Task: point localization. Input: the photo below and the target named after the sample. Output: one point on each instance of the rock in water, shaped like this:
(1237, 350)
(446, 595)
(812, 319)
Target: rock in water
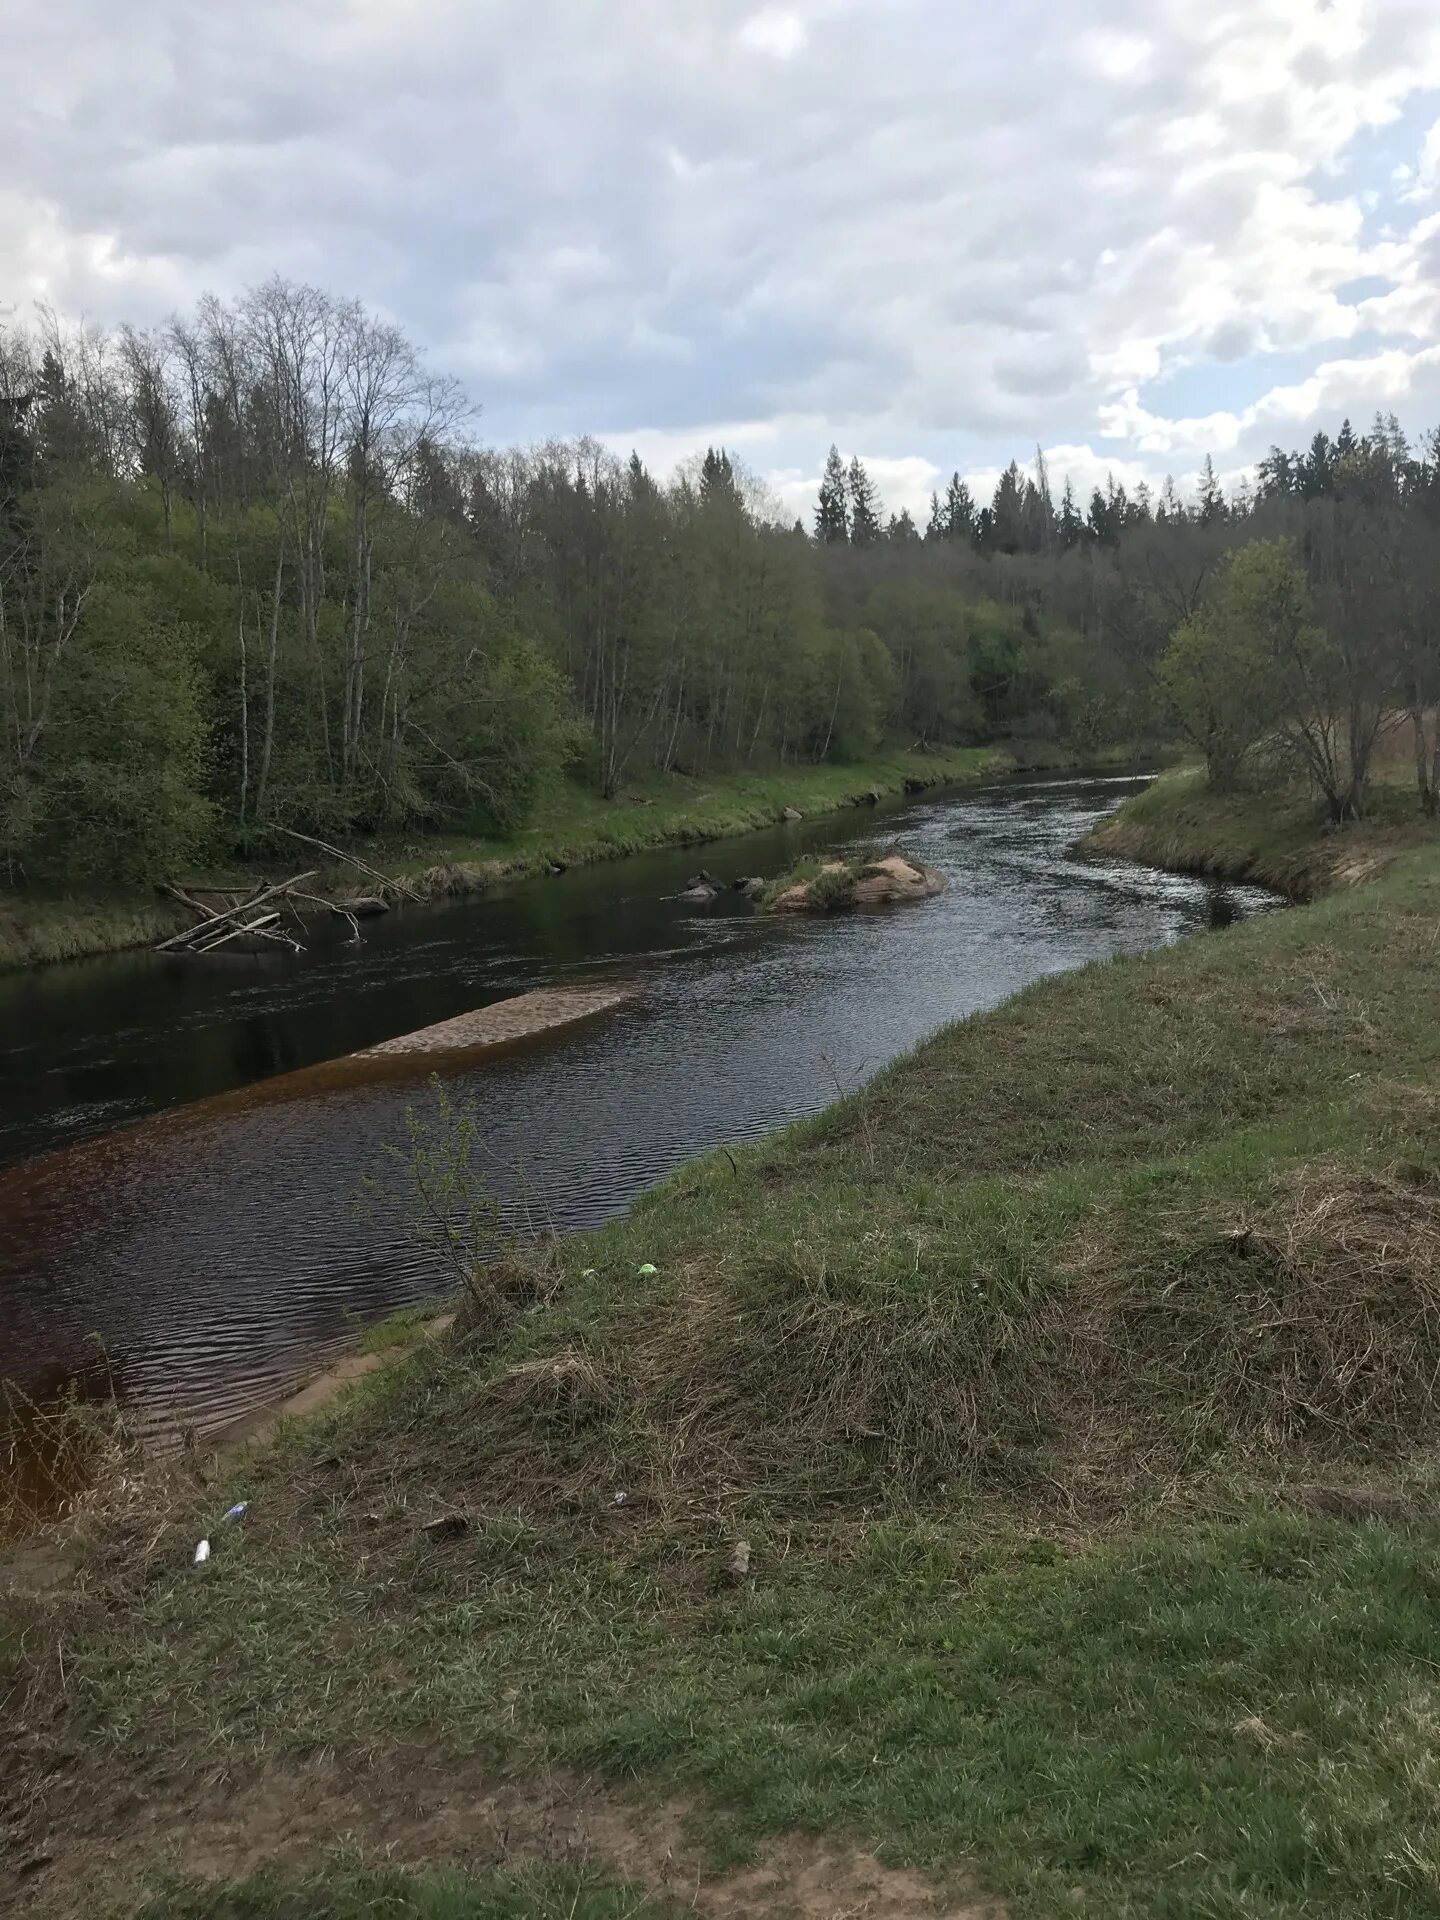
(880, 883)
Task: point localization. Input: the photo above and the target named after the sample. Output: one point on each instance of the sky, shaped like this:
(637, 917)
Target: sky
(939, 233)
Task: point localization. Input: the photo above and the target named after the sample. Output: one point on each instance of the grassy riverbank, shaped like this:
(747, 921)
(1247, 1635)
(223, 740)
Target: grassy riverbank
(1074, 1390)
(573, 826)
(1273, 841)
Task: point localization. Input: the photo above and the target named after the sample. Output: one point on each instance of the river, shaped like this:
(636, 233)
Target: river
(198, 1246)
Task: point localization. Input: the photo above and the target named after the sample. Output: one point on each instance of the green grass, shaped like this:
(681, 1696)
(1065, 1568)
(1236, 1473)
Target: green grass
(1034, 1375)
(38, 928)
(1226, 1719)
(396, 1331)
(575, 825)
(347, 1891)
(830, 883)
(572, 826)
(1271, 838)
(812, 874)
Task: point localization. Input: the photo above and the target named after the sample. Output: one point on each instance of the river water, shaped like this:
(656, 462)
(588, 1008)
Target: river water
(179, 1224)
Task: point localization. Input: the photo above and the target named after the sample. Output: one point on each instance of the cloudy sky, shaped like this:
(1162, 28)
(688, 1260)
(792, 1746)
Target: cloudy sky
(938, 232)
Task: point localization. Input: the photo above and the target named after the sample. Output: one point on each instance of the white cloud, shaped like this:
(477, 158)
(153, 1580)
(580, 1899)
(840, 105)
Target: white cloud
(776, 31)
(936, 235)
(1115, 56)
(1423, 181)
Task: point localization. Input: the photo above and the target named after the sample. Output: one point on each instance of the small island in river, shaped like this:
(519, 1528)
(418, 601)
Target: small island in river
(867, 880)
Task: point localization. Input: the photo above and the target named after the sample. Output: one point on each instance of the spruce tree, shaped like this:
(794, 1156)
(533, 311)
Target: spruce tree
(832, 515)
(1007, 511)
(1212, 500)
(642, 486)
(866, 508)
(717, 477)
(1072, 527)
(1103, 521)
(1317, 474)
(960, 517)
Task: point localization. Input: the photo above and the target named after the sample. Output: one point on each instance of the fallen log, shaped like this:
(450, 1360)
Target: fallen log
(262, 928)
(354, 860)
(190, 938)
(344, 909)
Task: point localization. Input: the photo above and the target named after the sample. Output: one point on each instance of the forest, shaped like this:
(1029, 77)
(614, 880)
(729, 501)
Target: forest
(258, 570)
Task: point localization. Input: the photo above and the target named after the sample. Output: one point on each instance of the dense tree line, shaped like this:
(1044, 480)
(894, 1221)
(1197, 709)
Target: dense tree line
(256, 571)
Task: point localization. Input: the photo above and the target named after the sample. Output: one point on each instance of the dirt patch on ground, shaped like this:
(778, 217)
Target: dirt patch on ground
(413, 1811)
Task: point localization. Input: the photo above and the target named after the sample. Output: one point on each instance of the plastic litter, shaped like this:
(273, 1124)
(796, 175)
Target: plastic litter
(237, 1512)
(202, 1553)
(647, 1268)
(621, 1498)
(740, 1561)
(589, 1273)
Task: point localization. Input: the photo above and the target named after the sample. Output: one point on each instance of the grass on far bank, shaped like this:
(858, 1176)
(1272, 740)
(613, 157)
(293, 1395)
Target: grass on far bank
(572, 826)
(1074, 1387)
(1273, 839)
(576, 826)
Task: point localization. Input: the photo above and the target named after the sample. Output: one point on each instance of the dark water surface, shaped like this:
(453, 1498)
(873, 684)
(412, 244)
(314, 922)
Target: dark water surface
(217, 1250)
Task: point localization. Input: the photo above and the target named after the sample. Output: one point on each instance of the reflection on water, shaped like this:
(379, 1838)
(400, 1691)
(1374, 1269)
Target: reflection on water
(217, 1248)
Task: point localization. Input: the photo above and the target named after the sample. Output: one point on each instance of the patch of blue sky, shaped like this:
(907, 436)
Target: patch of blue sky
(1214, 386)
(1375, 157)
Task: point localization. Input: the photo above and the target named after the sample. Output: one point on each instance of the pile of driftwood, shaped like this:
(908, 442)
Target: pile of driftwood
(271, 911)
(260, 916)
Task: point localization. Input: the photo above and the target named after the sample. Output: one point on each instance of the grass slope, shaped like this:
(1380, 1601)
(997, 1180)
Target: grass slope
(1275, 842)
(1074, 1388)
(573, 826)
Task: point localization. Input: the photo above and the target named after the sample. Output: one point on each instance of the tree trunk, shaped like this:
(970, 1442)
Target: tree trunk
(267, 743)
(244, 714)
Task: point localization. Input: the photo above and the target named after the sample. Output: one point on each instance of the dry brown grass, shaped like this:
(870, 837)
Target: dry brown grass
(59, 1457)
(1305, 1329)
(1312, 1324)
